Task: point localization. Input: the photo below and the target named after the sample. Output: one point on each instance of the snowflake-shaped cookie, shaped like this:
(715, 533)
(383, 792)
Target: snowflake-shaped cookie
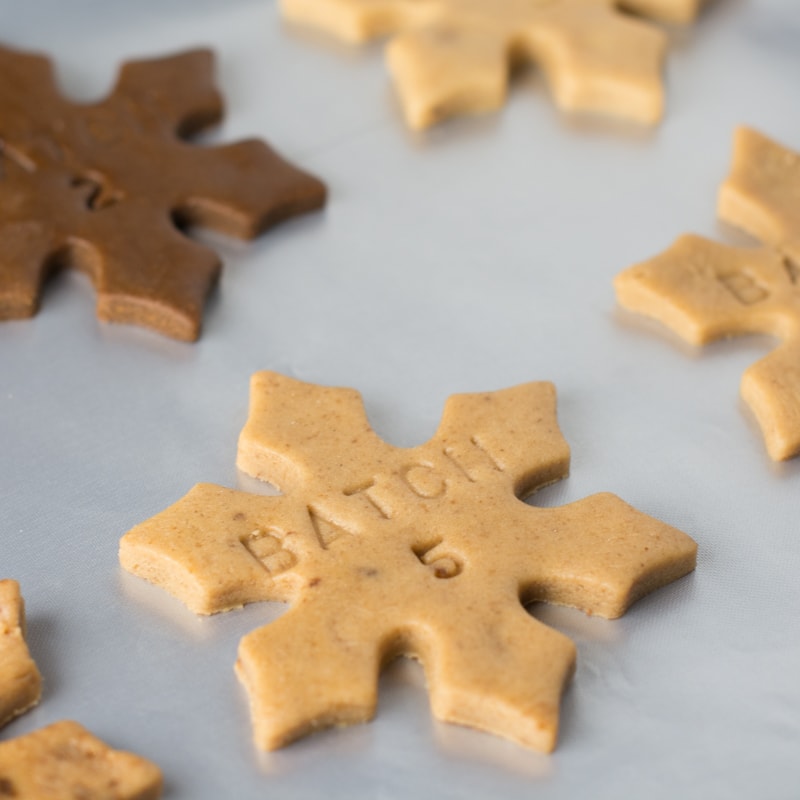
(454, 56)
(706, 291)
(424, 552)
(106, 188)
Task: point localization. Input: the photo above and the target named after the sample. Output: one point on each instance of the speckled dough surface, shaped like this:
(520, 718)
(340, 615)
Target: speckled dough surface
(704, 291)
(65, 762)
(105, 188)
(453, 56)
(424, 552)
(20, 682)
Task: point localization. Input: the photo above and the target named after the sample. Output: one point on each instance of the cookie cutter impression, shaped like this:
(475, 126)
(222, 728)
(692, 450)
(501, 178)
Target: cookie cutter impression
(424, 552)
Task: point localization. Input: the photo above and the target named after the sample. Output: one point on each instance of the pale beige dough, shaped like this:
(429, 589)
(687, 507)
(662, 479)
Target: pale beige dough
(704, 291)
(453, 56)
(20, 681)
(65, 762)
(424, 552)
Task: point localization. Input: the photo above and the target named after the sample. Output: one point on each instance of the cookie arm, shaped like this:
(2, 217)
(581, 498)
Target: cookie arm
(680, 11)
(304, 672)
(64, 760)
(177, 90)
(298, 432)
(241, 189)
(596, 59)
(218, 549)
(444, 72)
(513, 432)
(598, 554)
(28, 94)
(357, 20)
(159, 279)
(20, 681)
(704, 291)
(25, 248)
(760, 195)
(771, 387)
(504, 673)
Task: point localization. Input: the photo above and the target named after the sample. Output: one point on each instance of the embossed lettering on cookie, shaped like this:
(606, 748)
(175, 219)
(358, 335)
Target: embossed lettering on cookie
(384, 551)
(106, 187)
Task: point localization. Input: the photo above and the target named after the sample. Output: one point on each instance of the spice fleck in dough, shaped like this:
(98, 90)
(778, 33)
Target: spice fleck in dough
(424, 552)
(65, 762)
(704, 290)
(20, 682)
(453, 56)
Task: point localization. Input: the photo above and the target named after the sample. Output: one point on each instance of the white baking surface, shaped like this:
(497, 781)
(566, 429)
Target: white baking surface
(473, 257)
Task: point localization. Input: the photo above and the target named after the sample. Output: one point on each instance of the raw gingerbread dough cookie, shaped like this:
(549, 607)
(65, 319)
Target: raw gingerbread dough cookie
(704, 291)
(424, 552)
(65, 762)
(20, 681)
(107, 187)
(453, 56)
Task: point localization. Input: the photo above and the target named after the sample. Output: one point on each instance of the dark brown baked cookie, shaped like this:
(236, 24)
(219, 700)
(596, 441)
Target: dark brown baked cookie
(107, 187)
